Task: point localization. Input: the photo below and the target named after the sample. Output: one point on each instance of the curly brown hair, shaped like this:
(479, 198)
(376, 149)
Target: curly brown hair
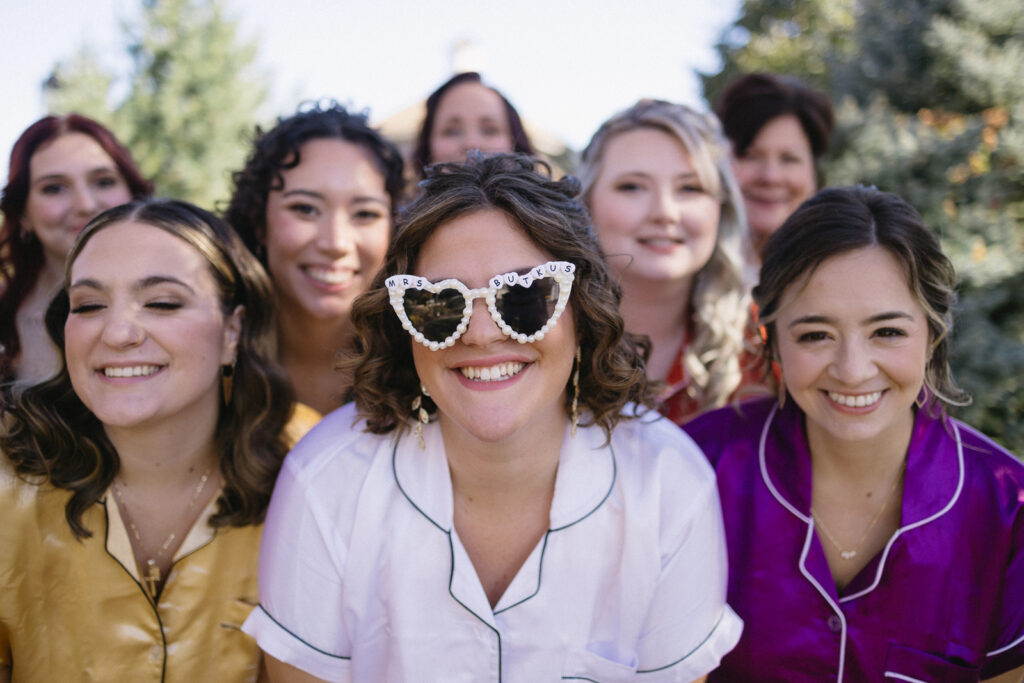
(49, 434)
(612, 372)
(280, 148)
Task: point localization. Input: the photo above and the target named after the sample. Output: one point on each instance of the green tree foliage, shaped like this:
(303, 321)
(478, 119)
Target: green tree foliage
(930, 106)
(191, 99)
(807, 37)
(80, 84)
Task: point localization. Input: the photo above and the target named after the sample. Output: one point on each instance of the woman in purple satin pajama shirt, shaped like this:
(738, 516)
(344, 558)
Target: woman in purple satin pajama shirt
(910, 565)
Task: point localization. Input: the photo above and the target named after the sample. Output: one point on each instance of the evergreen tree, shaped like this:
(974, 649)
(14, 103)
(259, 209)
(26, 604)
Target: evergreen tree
(191, 97)
(806, 37)
(931, 107)
(80, 84)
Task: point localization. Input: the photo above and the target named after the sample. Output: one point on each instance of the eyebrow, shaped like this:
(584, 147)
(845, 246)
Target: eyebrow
(688, 175)
(144, 283)
(319, 195)
(877, 318)
(61, 176)
(304, 193)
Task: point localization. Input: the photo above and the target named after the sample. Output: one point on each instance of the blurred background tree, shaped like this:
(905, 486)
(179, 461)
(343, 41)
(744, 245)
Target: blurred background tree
(189, 102)
(930, 105)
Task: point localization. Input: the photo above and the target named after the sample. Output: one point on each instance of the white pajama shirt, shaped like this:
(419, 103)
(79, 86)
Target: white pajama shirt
(363, 577)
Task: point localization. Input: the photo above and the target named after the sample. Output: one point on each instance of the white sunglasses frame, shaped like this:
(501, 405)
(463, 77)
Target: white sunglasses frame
(562, 271)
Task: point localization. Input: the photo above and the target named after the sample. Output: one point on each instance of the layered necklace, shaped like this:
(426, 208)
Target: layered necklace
(852, 553)
(151, 576)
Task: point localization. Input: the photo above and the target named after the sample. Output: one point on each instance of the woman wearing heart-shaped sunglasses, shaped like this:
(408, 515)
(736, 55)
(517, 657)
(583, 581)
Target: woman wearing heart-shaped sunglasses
(498, 503)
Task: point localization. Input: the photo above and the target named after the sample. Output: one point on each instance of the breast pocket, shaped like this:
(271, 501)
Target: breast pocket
(584, 665)
(234, 613)
(908, 664)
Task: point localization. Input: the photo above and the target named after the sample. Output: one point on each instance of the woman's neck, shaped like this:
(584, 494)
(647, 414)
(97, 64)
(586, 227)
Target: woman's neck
(504, 476)
(860, 462)
(51, 278)
(661, 312)
(157, 460)
(309, 350)
(502, 496)
(38, 357)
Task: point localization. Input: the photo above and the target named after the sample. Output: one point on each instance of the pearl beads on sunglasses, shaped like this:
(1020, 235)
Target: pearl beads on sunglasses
(561, 271)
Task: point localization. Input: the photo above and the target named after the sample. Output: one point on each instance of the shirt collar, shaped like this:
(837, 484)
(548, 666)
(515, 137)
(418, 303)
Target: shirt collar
(933, 476)
(119, 545)
(586, 474)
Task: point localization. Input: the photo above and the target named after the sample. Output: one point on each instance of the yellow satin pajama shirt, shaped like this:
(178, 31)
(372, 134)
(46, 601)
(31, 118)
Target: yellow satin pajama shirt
(76, 610)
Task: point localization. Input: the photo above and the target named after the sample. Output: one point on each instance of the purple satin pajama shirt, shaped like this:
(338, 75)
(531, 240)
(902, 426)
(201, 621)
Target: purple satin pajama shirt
(944, 600)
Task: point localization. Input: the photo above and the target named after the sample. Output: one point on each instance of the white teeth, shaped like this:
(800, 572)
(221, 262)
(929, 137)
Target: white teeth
(133, 371)
(328, 277)
(855, 401)
(494, 373)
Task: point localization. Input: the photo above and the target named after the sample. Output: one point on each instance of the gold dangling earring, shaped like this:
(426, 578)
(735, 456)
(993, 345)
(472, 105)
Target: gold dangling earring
(923, 395)
(422, 417)
(575, 394)
(227, 380)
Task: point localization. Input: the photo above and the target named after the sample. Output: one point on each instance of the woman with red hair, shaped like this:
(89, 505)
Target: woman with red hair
(64, 170)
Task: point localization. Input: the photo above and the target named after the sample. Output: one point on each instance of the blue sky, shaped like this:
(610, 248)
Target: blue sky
(566, 64)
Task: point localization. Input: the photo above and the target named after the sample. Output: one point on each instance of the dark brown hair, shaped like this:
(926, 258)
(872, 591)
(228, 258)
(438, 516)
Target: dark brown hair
(839, 220)
(422, 155)
(51, 435)
(612, 372)
(749, 102)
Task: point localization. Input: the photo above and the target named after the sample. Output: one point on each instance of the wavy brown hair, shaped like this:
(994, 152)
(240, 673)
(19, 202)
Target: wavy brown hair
(841, 220)
(612, 373)
(50, 435)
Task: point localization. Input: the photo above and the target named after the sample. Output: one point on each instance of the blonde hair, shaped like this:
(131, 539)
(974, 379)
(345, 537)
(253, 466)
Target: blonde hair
(720, 298)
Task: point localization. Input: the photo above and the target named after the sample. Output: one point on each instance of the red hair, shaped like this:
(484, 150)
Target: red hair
(21, 260)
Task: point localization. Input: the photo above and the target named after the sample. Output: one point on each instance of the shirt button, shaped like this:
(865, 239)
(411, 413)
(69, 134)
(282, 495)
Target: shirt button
(835, 624)
(156, 653)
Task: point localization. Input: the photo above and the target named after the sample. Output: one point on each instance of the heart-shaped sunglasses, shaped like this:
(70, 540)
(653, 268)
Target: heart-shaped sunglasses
(523, 305)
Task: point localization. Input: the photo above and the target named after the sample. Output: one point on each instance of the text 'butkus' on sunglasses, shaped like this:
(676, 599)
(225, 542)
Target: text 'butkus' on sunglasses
(523, 305)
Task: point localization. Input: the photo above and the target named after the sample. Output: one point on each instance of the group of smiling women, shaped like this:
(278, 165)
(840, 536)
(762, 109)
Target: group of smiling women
(499, 488)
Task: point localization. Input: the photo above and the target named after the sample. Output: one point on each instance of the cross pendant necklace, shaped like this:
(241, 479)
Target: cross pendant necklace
(152, 576)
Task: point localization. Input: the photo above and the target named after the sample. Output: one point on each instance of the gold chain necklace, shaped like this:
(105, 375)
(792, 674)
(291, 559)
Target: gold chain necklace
(850, 554)
(152, 574)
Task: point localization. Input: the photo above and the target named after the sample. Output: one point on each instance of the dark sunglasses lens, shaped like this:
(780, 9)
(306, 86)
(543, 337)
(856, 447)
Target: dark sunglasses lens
(526, 309)
(435, 314)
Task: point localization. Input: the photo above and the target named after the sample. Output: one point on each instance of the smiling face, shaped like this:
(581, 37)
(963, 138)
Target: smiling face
(146, 336)
(469, 116)
(853, 345)
(489, 388)
(328, 229)
(71, 180)
(652, 215)
(776, 174)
